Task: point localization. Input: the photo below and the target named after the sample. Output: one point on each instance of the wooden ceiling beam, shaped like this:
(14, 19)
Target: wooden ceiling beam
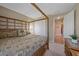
(39, 10)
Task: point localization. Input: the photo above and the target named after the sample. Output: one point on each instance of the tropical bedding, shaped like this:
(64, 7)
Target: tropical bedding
(21, 46)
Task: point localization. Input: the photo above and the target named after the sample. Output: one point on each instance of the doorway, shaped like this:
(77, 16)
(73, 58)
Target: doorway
(59, 31)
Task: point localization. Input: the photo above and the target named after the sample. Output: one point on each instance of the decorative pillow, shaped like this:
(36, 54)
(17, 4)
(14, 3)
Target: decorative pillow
(3, 35)
(27, 32)
(20, 33)
(12, 33)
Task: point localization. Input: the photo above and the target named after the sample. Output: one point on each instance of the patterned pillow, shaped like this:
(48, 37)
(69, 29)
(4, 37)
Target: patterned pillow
(3, 35)
(25, 32)
(19, 33)
(12, 33)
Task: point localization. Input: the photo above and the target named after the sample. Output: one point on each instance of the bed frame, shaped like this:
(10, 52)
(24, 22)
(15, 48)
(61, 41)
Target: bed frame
(42, 50)
(38, 52)
(11, 23)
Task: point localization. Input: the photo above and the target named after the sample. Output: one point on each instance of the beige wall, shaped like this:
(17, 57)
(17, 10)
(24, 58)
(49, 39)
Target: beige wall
(51, 29)
(32, 27)
(39, 28)
(68, 24)
(12, 14)
(77, 20)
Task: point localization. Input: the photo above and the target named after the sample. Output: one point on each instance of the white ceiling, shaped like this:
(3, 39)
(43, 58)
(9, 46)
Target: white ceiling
(48, 8)
(56, 8)
(23, 8)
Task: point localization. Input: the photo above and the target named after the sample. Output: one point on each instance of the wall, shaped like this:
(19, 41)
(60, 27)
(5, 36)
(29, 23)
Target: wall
(77, 20)
(68, 24)
(32, 27)
(51, 28)
(39, 28)
(12, 14)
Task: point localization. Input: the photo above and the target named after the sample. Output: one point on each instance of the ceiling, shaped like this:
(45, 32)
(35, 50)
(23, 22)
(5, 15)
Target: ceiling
(48, 8)
(56, 8)
(24, 8)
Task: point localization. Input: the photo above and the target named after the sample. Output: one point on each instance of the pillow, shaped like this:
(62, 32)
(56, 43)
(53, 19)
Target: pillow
(3, 35)
(27, 32)
(19, 33)
(12, 33)
(22, 32)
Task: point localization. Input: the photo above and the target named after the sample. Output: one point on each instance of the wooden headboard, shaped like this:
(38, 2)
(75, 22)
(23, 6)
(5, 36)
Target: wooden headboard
(10, 25)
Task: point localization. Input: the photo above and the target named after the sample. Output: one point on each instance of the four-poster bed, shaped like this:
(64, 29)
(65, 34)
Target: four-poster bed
(15, 38)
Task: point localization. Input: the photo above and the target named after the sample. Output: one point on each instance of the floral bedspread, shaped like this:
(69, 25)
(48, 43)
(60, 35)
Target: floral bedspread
(21, 46)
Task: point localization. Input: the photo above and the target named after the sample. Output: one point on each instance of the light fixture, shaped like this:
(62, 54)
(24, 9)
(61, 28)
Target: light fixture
(58, 17)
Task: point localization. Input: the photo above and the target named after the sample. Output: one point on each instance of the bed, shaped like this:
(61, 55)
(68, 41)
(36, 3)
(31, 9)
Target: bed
(16, 40)
(29, 45)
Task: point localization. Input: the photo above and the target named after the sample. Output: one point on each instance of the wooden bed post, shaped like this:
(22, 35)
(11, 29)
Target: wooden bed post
(46, 17)
(47, 33)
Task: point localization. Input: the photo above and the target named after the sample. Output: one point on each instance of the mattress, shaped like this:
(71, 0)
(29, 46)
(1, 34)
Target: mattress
(21, 46)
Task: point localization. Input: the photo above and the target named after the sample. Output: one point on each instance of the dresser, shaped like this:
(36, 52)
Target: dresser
(71, 49)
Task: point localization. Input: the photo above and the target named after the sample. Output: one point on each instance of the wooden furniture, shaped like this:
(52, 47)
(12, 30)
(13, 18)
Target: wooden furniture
(71, 49)
(10, 23)
(30, 45)
(41, 50)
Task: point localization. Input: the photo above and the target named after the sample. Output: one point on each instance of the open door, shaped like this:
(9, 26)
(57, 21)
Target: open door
(59, 31)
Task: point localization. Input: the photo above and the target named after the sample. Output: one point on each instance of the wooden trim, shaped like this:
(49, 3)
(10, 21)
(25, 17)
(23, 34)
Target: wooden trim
(39, 10)
(12, 18)
(2, 21)
(14, 22)
(33, 4)
(37, 20)
(41, 50)
(74, 21)
(48, 32)
(3, 25)
(7, 23)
